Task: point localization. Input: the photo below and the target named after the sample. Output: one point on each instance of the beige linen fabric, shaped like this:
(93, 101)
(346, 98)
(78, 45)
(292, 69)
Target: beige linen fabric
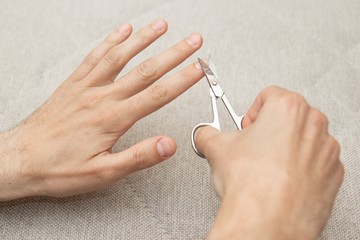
(309, 46)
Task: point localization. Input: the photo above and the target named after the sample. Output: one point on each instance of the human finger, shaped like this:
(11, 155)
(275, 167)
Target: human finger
(253, 112)
(143, 155)
(154, 68)
(116, 37)
(161, 93)
(205, 140)
(318, 120)
(116, 58)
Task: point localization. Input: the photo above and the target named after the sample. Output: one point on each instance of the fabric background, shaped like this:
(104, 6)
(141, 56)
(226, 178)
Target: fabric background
(309, 46)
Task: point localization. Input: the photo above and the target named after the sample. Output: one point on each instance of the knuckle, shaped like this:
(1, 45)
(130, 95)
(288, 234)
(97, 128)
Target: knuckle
(91, 60)
(318, 117)
(114, 56)
(146, 70)
(158, 91)
(138, 159)
(178, 50)
(109, 42)
(339, 172)
(145, 37)
(106, 175)
(111, 39)
(295, 98)
(334, 145)
(270, 90)
(292, 100)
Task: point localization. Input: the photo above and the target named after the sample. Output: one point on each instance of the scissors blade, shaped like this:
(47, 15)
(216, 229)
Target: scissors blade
(211, 78)
(212, 67)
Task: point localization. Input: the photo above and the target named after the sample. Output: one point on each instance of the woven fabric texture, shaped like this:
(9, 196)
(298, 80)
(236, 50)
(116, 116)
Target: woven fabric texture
(309, 46)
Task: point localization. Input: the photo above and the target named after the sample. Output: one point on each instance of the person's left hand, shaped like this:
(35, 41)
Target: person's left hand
(64, 148)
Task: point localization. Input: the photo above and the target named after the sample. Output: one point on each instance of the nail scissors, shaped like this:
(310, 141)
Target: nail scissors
(215, 92)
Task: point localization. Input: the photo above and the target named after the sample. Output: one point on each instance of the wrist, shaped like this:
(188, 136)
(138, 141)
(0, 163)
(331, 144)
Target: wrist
(254, 216)
(240, 218)
(15, 181)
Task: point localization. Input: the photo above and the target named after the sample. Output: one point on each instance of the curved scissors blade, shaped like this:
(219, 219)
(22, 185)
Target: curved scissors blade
(212, 67)
(211, 76)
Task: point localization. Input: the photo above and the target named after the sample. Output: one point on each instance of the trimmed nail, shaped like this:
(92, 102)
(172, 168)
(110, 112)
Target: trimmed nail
(198, 66)
(124, 28)
(193, 39)
(164, 148)
(158, 24)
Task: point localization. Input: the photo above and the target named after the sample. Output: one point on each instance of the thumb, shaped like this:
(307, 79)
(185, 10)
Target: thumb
(206, 140)
(144, 154)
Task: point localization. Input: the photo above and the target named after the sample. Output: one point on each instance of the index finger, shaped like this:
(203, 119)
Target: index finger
(255, 108)
(163, 92)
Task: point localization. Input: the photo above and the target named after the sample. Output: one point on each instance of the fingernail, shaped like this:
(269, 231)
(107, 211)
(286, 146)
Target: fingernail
(124, 28)
(193, 39)
(158, 24)
(198, 66)
(164, 148)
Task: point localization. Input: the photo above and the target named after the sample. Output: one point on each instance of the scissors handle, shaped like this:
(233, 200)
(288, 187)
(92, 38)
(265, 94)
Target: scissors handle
(237, 119)
(200, 125)
(215, 124)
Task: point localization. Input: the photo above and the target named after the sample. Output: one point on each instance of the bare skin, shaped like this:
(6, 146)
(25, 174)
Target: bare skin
(278, 178)
(64, 148)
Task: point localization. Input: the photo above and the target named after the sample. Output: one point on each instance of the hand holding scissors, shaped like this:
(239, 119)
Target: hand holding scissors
(215, 92)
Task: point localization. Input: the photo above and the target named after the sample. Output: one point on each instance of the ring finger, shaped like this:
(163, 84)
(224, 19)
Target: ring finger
(117, 57)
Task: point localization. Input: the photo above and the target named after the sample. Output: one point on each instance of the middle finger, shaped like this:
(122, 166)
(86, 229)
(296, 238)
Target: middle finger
(116, 59)
(152, 69)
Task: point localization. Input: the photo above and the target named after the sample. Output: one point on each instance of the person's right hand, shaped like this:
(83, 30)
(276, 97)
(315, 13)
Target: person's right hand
(277, 178)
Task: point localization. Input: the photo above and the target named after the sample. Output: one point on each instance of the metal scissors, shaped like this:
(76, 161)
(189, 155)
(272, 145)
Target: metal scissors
(216, 92)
